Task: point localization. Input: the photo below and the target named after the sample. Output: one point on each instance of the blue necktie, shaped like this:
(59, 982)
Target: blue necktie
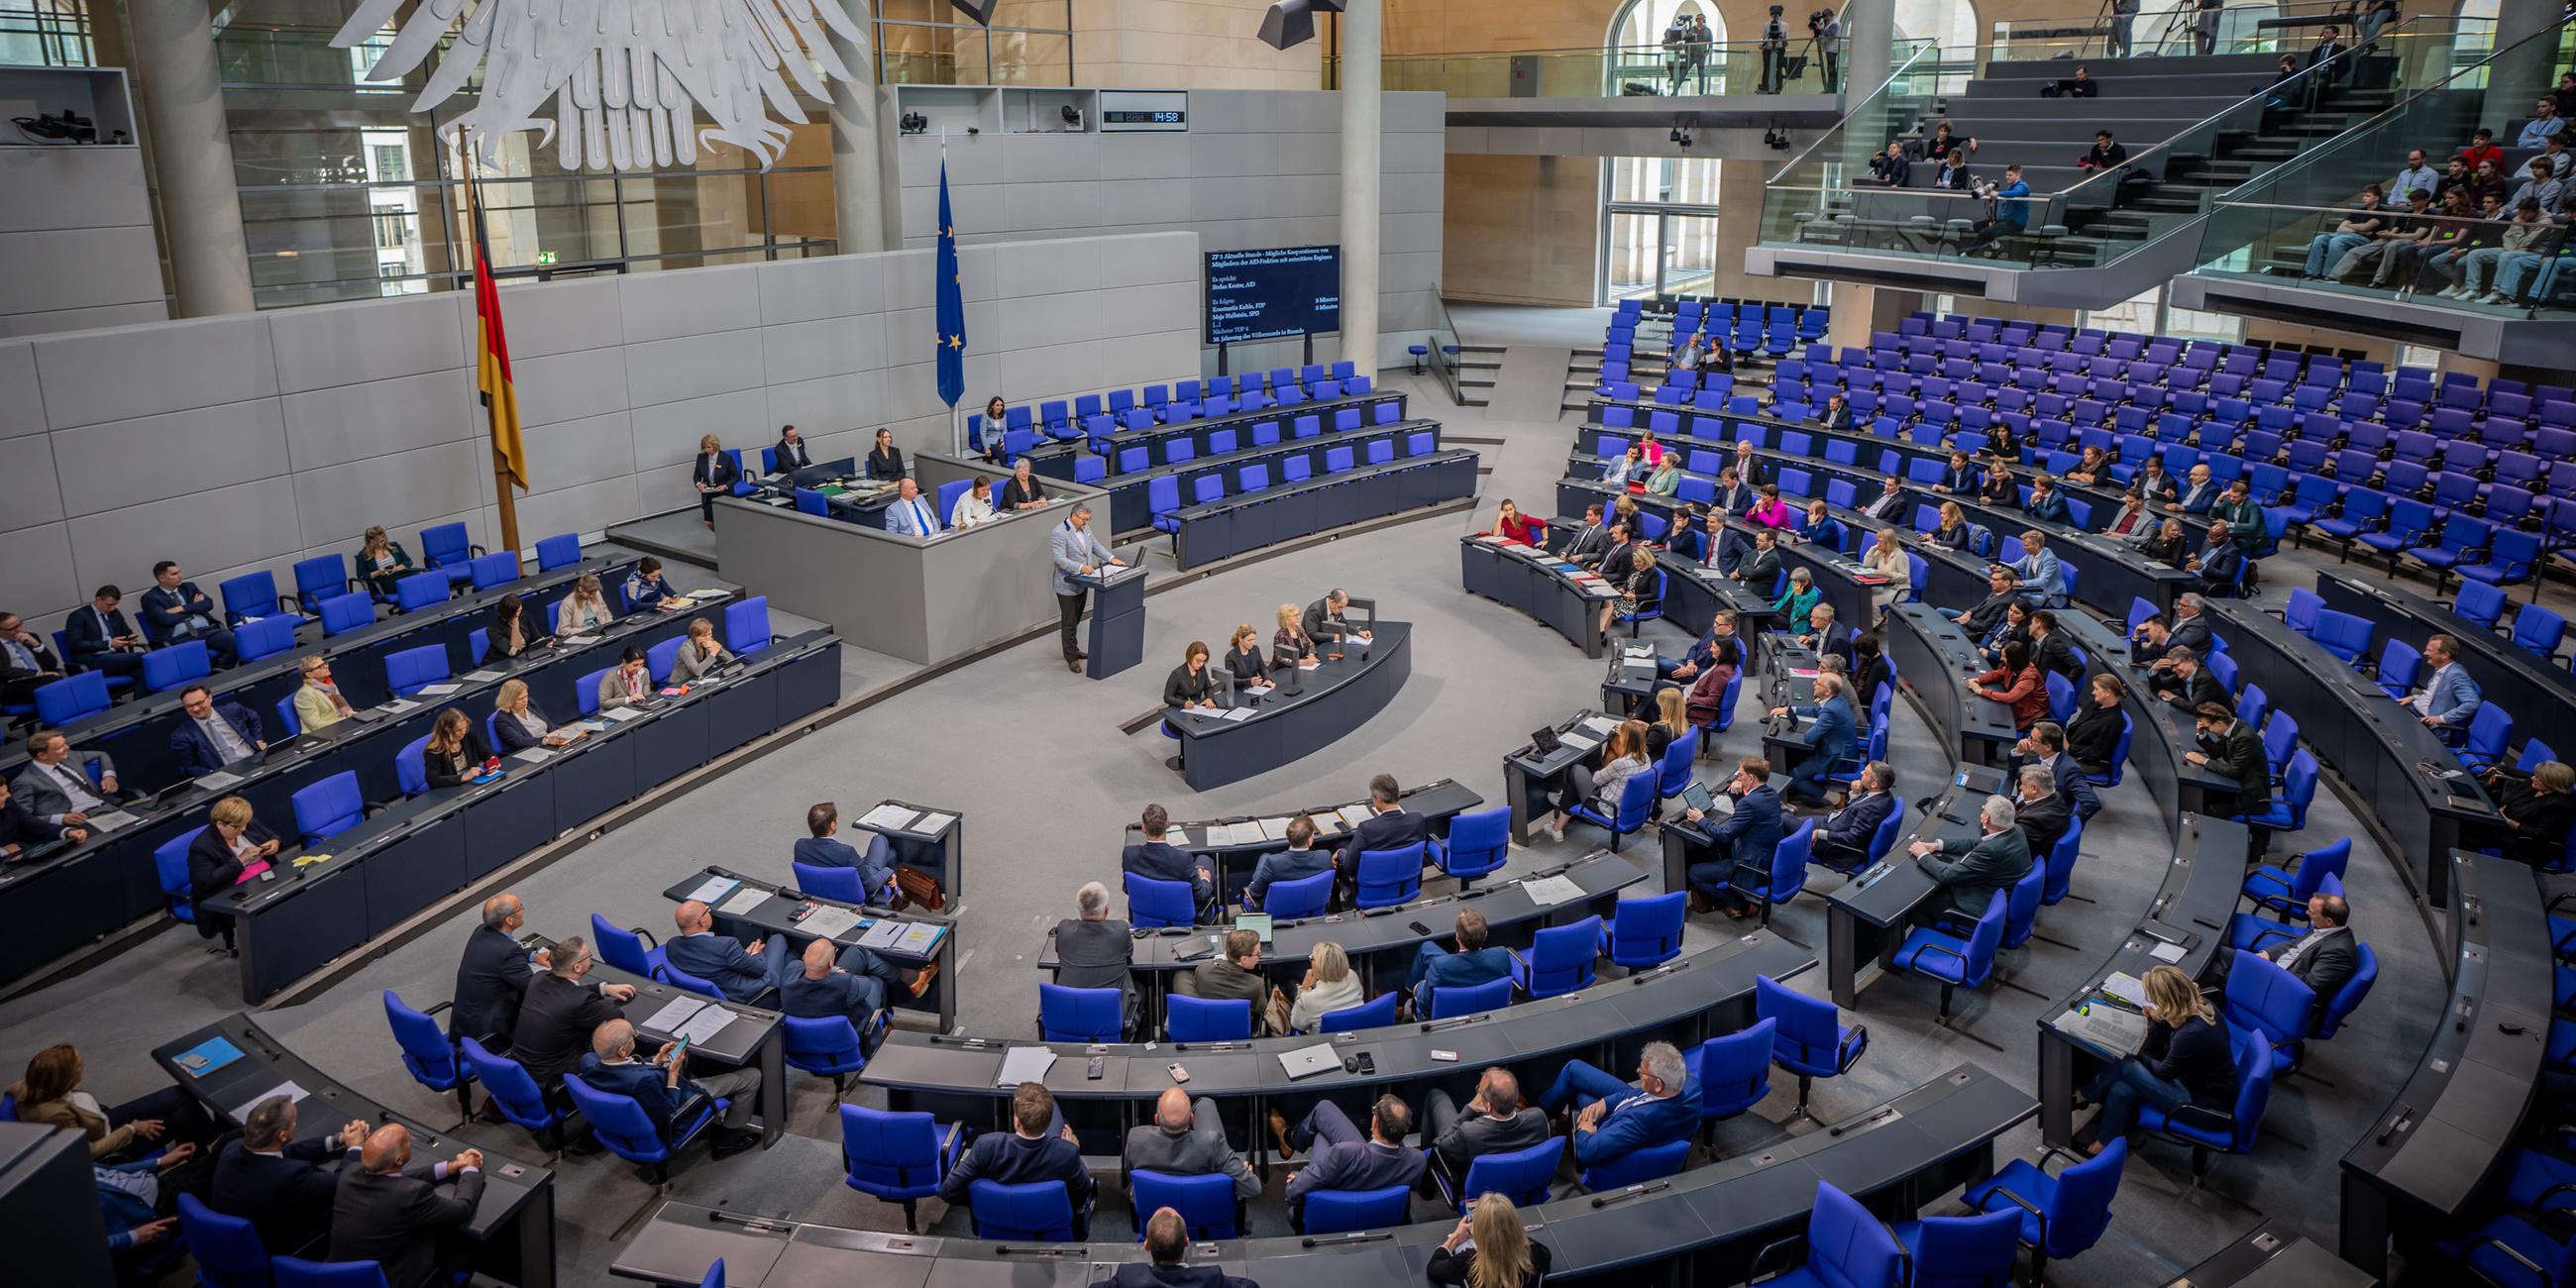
(922, 517)
(19, 657)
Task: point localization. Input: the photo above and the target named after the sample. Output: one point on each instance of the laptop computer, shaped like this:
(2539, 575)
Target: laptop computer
(1305, 1062)
(1256, 922)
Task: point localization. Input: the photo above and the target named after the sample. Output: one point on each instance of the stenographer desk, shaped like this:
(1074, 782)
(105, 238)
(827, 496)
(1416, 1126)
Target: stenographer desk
(72, 895)
(927, 601)
(1286, 511)
(1530, 579)
(1332, 700)
(1382, 942)
(2419, 801)
(1684, 1001)
(1234, 860)
(2539, 693)
(513, 1227)
(2184, 925)
(386, 868)
(2413, 1175)
(1708, 1223)
(782, 910)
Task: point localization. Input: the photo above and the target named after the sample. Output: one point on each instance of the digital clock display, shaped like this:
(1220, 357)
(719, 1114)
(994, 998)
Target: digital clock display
(1144, 109)
(1143, 118)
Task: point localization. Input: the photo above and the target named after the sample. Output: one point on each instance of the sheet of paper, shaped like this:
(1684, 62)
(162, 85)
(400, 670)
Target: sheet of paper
(1236, 713)
(532, 754)
(111, 820)
(882, 935)
(218, 781)
(2126, 987)
(1274, 829)
(675, 1013)
(440, 690)
(2166, 952)
(1354, 815)
(1602, 725)
(828, 921)
(1024, 1064)
(743, 900)
(714, 888)
(287, 1089)
(703, 1027)
(1545, 891)
(1580, 742)
(482, 677)
(917, 938)
(399, 706)
(932, 824)
(889, 818)
(1310, 665)
(620, 715)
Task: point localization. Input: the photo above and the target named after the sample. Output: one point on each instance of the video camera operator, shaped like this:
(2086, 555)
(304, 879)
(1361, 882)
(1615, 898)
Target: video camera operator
(1775, 51)
(1827, 29)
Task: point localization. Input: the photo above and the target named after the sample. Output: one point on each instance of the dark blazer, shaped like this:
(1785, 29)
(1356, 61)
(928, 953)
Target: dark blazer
(2094, 733)
(1364, 1165)
(556, 1019)
(198, 756)
(1296, 865)
(1320, 625)
(168, 609)
(1750, 471)
(286, 1196)
(23, 827)
(2238, 754)
(1247, 665)
(1619, 562)
(720, 960)
(838, 994)
(886, 464)
(396, 1221)
(1392, 830)
(2191, 633)
(1851, 827)
(46, 664)
(491, 981)
(2220, 564)
(876, 866)
(1182, 688)
(791, 456)
(714, 469)
(212, 869)
(2159, 487)
(648, 1086)
(1009, 1158)
(2327, 967)
(1865, 685)
(1095, 954)
(2051, 507)
(515, 736)
(1452, 1271)
(1588, 543)
(2201, 687)
(2197, 1055)
(1011, 496)
(1466, 970)
(1739, 498)
(1954, 537)
(2043, 824)
(2073, 787)
(1138, 1274)
(1638, 1121)
(1759, 569)
(83, 636)
(1832, 417)
(1753, 830)
(454, 768)
(2541, 840)
(1963, 479)
(2053, 653)
(1164, 861)
(1477, 1135)
(1974, 870)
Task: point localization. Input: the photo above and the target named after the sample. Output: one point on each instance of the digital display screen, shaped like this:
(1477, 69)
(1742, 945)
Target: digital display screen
(1144, 118)
(1266, 294)
(1124, 110)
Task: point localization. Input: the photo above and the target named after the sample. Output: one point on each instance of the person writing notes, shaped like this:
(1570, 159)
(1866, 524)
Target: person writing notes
(976, 506)
(1243, 658)
(1076, 553)
(1324, 621)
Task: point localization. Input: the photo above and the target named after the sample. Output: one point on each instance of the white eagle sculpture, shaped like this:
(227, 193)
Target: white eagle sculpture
(622, 73)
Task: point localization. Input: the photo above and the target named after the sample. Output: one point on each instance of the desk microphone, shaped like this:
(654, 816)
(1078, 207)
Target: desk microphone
(762, 1224)
(1654, 1187)
(1450, 1023)
(1006, 1250)
(2404, 1119)
(1339, 1240)
(1839, 1128)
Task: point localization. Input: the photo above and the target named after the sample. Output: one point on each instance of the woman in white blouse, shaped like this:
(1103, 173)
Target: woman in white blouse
(1330, 985)
(976, 506)
(1887, 558)
(585, 610)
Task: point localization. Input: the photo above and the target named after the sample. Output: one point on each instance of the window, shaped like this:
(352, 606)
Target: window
(1659, 217)
(923, 42)
(392, 163)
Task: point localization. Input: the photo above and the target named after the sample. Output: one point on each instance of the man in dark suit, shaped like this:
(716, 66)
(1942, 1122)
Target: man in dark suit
(1762, 567)
(398, 1216)
(2045, 503)
(1234, 974)
(1473, 962)
(2050, 650)
(1160, 860)
(282, 1186)
(1842, 839)
(101, 639)
(1958, 478)
(1323, 619)
(1891, 503)
(1821, 633)
(1167, 1242)
(1343, 1159)
(854, 987)
(2040, 812)
(1749, 834)
(493, 977)
(2230, 748)
(1296, 863)
(22, 828)
(1494, 1122)
(178, 611)
(2191, 623)
(25, 662)
(1830, 736)
(824, 849)
(1389, 826)
(2324, 958)
(1590, 541)
(665, 1092)
(790, 452)
(2045, 746)
(1837, 413)
(1972, 870)
(2154, 480)
(742, 974)
(2198, 494)
(214, 734)
(1185, 1139)
(2182, 680)
(1734, 495)
(1092, 951)
(560, 1013)
(2002, 590)
(1038, 1148)
(2220, 562)
(1622, 557)
(1617, 1118)
(1748, 467)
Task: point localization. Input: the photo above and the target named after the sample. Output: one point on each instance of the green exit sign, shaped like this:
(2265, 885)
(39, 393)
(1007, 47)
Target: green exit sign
(545, 257)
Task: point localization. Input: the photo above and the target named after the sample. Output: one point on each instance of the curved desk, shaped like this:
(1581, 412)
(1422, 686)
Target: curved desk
(1054, 458)
(2159, 731)
(1866, 918)
(2427, 1155)
(2539, 694)
(1537, 583)
(1335, 698)
(1707, 1223)
(513, 1227)
(782, 911)
(1248, 521)
(1234, 851)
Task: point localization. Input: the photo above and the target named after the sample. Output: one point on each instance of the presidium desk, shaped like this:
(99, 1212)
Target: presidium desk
(1220, 747)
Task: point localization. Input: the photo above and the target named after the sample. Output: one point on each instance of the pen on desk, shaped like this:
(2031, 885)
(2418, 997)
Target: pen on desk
(1863, 1121)
(1654, 1187)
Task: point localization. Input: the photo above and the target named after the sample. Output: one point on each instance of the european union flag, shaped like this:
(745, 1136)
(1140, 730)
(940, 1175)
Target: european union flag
(952, 303)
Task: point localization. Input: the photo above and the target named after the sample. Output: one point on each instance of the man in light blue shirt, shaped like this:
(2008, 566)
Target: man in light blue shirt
(2449, 698)
(910, 515)
(1075, 553)
(2041, 577)
(2416, 176)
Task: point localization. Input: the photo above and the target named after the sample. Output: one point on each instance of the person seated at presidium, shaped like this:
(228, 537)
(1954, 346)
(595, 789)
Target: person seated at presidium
(1323, 619)
(2186, 1061)
(713, 475)
(699, 653)
(585, 611)
(790, 451)
(1623, 757)
(1243, 658)
(976, 506)
(519, 725)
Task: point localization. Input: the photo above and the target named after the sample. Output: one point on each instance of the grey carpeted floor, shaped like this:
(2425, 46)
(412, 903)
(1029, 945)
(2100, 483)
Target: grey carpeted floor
(1035, 760)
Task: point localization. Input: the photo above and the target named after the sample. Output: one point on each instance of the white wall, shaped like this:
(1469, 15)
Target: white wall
(1256, 168)
(238, 443)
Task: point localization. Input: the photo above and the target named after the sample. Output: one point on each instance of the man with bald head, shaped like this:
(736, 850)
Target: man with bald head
(493, 978)
(1186, 1138)
(854, 987)
(741, 974)
(561, 1012)
(1495, 1122)
(1167, 1242)
(665, 1092)
(396, 1215)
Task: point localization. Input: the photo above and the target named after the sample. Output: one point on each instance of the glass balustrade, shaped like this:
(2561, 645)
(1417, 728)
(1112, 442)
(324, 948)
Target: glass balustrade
(1617, 71)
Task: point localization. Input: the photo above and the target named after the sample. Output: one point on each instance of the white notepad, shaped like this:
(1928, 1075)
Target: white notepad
(439, 690)
(675, 1013)
(889, 818)
(1024, 1064)
(1551, 890)
(743, 900)
(703, 1027)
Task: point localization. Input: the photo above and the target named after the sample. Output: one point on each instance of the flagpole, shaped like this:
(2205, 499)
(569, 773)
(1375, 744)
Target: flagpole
(503, 487)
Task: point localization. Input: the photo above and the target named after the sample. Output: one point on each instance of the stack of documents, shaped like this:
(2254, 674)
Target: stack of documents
(1273, 829)
(908, 938)
(889, 817)
(828, 921)
(1354, 815)
(2127, 988)
(2107, 1027)
(1545, 891)
(713, 889)
(932, 824)
(1235, 713)
(1024, 1064)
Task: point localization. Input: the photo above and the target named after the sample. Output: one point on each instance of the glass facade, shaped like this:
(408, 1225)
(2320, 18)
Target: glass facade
(928, 42)
(1659, 227)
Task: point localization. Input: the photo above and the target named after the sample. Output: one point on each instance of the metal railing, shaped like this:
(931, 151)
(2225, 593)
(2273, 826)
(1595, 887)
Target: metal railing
(1733, 67)
(2088, 34)
(1443, 344)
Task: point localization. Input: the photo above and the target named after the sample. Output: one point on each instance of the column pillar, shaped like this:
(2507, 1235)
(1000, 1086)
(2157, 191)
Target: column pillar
(859, 214)
(1859, 310)
(2519, 76)
(1869, 34)
(173, 46)
(1360, 111)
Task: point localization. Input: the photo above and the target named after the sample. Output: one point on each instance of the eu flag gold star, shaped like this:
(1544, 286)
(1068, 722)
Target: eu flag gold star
(956, 342)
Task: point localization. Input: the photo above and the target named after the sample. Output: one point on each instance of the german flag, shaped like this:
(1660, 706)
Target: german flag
(492, 355)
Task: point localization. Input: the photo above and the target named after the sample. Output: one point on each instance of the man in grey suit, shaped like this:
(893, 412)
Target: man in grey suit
(396, 1215)
(1344, 1160)
(1186, 1138)
(1092, 951)
(1076, 553)
(1496, 1123)
(1972, 871)
(57, 789)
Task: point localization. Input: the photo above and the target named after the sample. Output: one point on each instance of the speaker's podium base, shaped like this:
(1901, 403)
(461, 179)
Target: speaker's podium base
(1117, 637)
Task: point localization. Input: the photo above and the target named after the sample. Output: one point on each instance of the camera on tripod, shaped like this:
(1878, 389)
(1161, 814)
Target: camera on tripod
(1816, 21)
(68, 127)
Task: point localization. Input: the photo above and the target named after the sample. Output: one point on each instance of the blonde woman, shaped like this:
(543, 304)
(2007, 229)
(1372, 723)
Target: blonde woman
(1622, 758)
(1489, 1249)
(1290, 645)
(1952, 534)
(1886, 557)
(1639, 592)
(2186, 1061)
(700, 654)
(318, 704)
(713, 475)
(1671, 718)
(585, 611)
(223, 856)
(1330, 985)
(382, 561)
(518, 723)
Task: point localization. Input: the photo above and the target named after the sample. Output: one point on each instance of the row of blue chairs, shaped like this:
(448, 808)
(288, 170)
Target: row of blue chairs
(1163, 491)
(1099, 416)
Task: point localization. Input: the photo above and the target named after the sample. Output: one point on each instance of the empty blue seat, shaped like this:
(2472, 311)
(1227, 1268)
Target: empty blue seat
(329, 807)
(1560, 958)
(168, 668)
(1080, 1014)
(410, 670)
(897, 1157)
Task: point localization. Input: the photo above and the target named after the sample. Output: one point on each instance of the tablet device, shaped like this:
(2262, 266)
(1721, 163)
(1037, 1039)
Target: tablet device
(1545, 741)
(1696, 797)
(1256, 922)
